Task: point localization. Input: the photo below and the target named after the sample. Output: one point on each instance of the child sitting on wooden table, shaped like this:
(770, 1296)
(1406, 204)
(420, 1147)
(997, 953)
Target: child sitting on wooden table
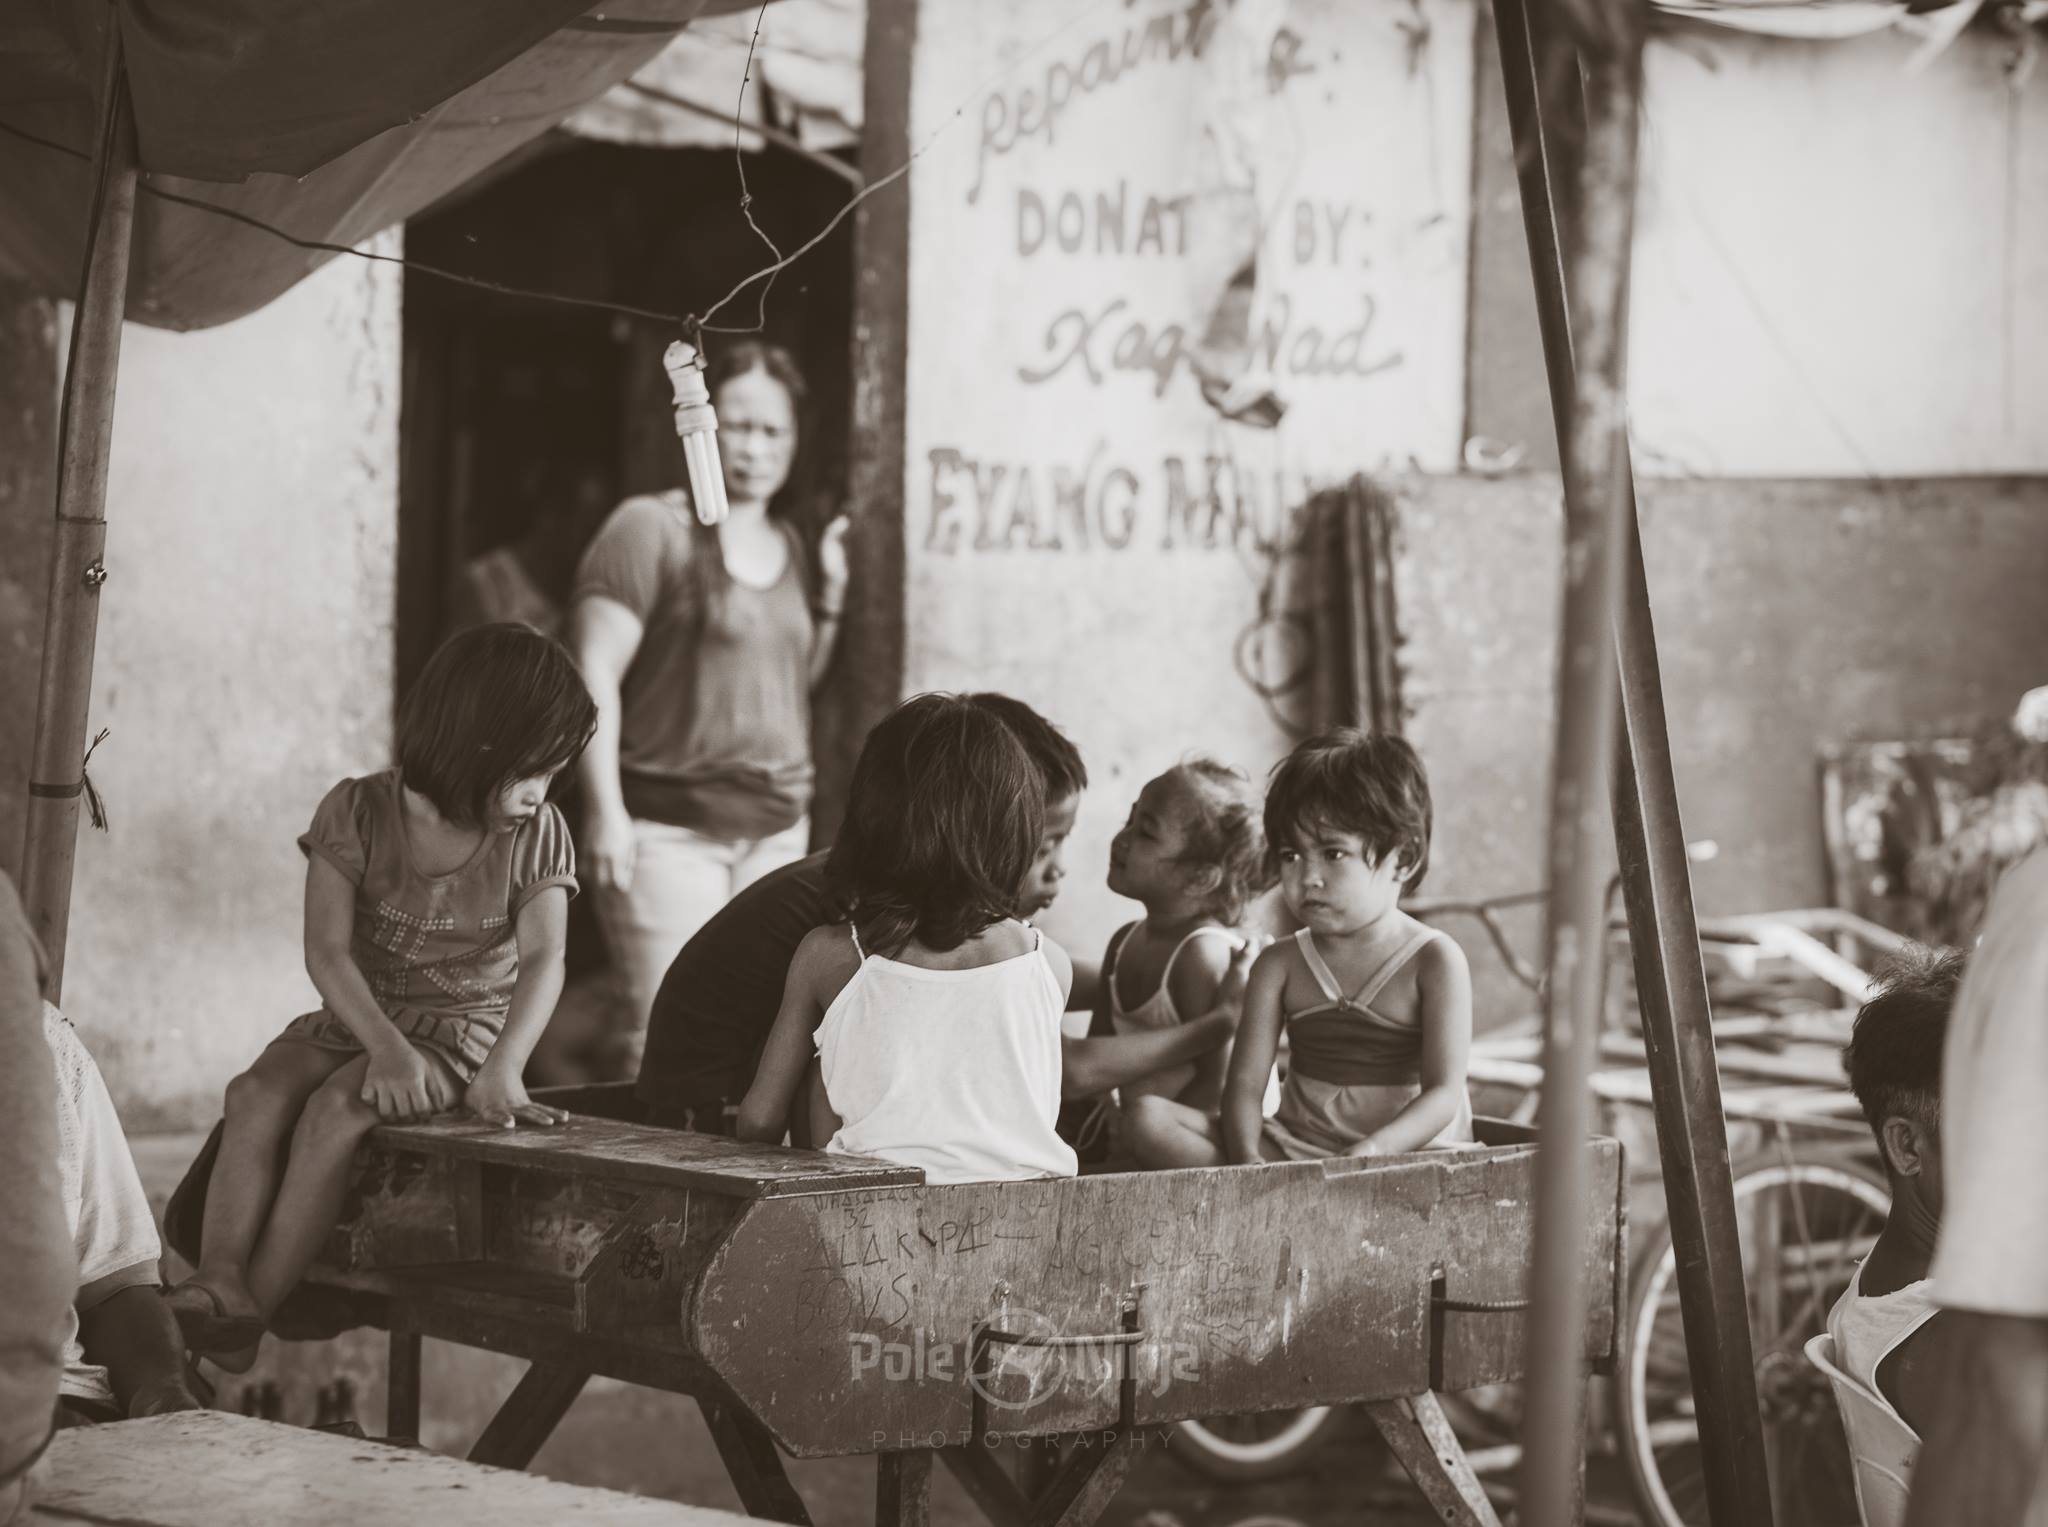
(1377, 1006)
(1192, 852)
(719, 1000)
(934, 1012)
(437, 899)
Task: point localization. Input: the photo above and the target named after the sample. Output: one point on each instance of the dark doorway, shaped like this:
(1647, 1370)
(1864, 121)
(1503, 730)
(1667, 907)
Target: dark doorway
(525, 421)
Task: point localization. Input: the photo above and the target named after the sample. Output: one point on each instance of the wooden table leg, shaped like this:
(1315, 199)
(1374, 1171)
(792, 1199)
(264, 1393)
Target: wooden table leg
(755, 1467)
(974, 1465)
(1038, 1464)
(402, 1397)
(1086, 1483)
(903, 1489)
(524, 1422)
(1418, 1433)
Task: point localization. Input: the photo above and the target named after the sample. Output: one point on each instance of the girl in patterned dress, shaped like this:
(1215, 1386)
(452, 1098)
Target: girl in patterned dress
(437, 898)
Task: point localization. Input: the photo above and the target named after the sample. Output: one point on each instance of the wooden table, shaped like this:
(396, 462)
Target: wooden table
(211, 1469)
(838, 1306)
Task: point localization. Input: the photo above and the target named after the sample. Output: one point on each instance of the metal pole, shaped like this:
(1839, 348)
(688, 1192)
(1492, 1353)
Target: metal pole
(1650, 838)
(85, 434)
(1594, 448)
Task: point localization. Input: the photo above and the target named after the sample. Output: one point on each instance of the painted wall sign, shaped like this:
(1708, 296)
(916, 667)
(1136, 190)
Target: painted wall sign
(1174, 266)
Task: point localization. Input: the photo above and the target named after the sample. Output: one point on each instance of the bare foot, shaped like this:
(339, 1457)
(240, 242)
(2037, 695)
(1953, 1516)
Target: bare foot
(216, 1316)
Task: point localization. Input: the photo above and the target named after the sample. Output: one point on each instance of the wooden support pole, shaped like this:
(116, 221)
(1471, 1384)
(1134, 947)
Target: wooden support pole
(1543, 85)
(85, 434)
(1593, 453)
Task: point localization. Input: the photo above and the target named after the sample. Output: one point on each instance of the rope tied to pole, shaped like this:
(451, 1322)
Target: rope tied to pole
(95, 807)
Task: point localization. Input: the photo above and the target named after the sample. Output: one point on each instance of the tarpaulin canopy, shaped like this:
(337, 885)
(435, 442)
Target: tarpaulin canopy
(329, 119)
(807, 76)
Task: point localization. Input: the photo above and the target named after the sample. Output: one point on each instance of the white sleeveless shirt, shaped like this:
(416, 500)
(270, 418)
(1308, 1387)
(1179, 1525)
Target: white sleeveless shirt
(954, 1071)
(1868, 1328)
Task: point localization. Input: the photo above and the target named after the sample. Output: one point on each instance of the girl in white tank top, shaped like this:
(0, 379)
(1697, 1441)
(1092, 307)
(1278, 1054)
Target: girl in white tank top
(956, 1071)
(934, 1013)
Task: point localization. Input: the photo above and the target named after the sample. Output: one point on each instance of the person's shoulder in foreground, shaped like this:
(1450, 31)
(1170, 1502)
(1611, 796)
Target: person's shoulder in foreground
(35, 1244)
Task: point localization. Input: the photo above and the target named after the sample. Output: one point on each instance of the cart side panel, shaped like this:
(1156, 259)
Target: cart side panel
(844, 1321)
(1488, 1225)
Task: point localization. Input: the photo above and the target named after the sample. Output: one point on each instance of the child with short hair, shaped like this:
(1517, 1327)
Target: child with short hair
(1193, 853)
(934, 1011)
(437, 900)
(1377, 1007)
(1887, 1326)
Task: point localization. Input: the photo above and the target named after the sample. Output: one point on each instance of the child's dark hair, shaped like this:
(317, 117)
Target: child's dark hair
(1225, 832)
(943, 818)
(1894, 1054)
(1368, 783)
(495, 704)
(1057, 760)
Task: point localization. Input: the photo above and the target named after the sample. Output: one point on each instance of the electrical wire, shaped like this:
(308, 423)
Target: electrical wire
(739, 161)
(324, 246)
(768, 133)
(689, 323)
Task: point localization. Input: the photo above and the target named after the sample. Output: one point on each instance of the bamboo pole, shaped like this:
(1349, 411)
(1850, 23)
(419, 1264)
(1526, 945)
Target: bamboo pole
(1596, 506)
(1650, 836)
(85, 435)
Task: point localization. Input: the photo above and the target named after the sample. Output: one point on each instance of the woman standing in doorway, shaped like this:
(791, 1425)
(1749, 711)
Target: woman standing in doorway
(700, 645)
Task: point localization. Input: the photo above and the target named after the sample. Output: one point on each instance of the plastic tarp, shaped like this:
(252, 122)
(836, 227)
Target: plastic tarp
(329, 119)
(806, 80)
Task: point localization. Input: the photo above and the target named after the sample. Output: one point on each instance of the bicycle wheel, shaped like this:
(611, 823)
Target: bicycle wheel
(1265, 1446)
(1803, 1226)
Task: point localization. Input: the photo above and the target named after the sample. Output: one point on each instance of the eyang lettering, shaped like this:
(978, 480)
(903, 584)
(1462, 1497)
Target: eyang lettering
(1205, 504)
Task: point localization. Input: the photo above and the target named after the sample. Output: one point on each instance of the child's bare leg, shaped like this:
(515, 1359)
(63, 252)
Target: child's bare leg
(1165, 1133)
(331, 1126)
(263, 1106)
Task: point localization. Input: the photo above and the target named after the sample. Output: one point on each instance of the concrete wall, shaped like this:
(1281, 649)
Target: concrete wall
(244, 664)
(1841, 267)
(1081, 528)
(1790, 614)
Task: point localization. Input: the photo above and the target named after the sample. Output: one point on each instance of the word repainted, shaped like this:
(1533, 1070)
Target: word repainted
(1009, 118)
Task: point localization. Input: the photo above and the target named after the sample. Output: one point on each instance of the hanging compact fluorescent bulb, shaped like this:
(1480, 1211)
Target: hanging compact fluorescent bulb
(697, 427)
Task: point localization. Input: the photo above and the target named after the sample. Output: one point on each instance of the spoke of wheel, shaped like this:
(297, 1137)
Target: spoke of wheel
(1799, 1216)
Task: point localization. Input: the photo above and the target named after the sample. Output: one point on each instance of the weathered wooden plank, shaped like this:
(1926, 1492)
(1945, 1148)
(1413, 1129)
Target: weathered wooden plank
(638, 1153)
(405, 1209)
(843, 1320)
(1488, 1224)
(212, 1469)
